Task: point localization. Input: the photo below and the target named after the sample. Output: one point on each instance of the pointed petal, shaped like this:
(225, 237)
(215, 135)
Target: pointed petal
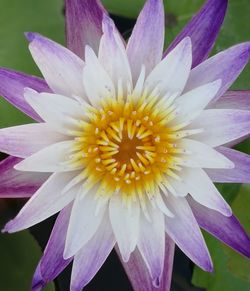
(53, 158)
(91, 257)
(24, 140)
(145, 45)
(200, 187)
(203, 29)
(138, 273)
(227, 229)
(57, 110)
(239, 174)
(83, 224)
(176, 63)
(16, 184)
(226, 66)
(93, 71)
(168, 265)
(191, 104)
(37, 281)
(60, 67)
(233, 100)
(111, 44)
(151, 243)
(52, 262)
(185, 232)
(47, 201)
(203, 156)
(83, 25)
(12, 86)
(125, 224)
(221, 126)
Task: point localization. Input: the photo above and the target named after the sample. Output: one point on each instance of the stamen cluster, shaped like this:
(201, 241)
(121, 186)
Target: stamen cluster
(130, 146)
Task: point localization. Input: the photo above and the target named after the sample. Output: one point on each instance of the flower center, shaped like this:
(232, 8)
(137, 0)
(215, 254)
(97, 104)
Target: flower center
(128, 149)
(128, 146)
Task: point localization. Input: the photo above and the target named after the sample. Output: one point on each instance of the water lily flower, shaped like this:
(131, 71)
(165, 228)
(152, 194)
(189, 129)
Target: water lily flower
(128, 142)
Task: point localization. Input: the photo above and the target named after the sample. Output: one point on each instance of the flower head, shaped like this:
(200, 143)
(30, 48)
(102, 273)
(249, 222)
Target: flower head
(132, 142)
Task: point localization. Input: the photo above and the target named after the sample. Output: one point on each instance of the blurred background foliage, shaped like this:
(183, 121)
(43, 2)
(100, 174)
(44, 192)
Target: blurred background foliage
(19, 253)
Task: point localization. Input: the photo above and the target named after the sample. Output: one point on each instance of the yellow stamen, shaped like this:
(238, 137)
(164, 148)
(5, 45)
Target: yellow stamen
(128, 146)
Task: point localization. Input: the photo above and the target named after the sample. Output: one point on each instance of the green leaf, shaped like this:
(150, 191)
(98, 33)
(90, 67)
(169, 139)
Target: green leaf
(17, 17)
(232, 271)
(20, 254)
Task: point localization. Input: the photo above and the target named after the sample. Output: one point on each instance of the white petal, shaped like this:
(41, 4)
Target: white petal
(151, 242)
(197, 183)
(57, 110)
(138, 89)
(125, 224)
(190, 104)
(83, 222)
(24, 140)
(203, 156)
(47, 201)
(53, 158)
(112, 54)
(162, 206)
(96, 81)
(171, 74)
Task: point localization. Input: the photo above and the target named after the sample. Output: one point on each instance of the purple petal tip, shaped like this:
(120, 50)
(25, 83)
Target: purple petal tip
(209, 267)
(30, 36)
(7, 227)
(107, 24)
(156, 282)
(37, 282)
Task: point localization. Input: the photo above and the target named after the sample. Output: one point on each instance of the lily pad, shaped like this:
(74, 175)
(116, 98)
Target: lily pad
(20, 254)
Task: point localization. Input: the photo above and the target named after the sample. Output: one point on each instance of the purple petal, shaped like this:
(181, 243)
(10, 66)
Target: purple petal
(91, 257)
(185, 232)
(203, 29)
(145, 45)
(52, 262)
(239, 174)
(12, 86)
(16, 184)
(226, 229)
(24, 140)
(83, 25)
(168, 265)
(151, 243)
(61, 68)
(37, 282)
(226, 65)
(139, 275)
(233, 100)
